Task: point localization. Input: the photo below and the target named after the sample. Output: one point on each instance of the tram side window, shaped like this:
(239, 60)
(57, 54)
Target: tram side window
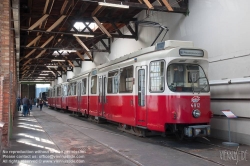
(58, 91)
(84, 86)
(69, 89)
(54, 92)
(48, 93)
(61, 89)
(64, 87)
(156, 76)
(73, 89)
(93, 85)
(113, 82)
(126, 79)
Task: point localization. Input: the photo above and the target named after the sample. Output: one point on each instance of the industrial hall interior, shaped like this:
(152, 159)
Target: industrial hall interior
(124, 82)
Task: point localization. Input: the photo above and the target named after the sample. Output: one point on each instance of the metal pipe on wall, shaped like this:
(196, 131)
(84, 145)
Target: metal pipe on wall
(230, 81)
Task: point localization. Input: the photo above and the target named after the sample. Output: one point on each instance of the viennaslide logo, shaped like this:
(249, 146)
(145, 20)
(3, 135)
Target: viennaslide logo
(233, 155)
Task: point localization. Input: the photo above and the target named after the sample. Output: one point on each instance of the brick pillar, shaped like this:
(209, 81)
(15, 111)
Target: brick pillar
(13, 89)
(5, 65)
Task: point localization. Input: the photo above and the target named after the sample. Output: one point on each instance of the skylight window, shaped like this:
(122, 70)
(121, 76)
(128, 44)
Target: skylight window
(80, 26)
(63, 52)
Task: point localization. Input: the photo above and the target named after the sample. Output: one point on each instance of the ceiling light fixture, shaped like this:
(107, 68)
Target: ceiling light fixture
(46, 71)
(66, 51)
(52, 66)
(57, 60)
(113, 5)
(83, 35)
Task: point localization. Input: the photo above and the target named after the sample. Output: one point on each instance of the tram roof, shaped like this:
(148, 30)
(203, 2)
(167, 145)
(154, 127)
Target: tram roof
(169, 44)
(157, 47)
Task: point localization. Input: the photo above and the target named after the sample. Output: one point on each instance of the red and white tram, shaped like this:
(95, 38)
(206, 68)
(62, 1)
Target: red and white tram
(163, 88)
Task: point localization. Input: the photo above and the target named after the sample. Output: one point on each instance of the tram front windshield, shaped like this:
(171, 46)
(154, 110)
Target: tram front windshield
(187, 78)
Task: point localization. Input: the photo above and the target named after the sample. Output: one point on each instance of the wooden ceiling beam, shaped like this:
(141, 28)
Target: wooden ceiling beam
(44, 12)
(28, 61)
(71, 63)
(149, 5)
(40, 54)
(165, 2)
(47, 42)
(33, 41)
(31, 52)
(85, 47)
(36, 24)
(79, 55)
(64, 6)
(101, 27)
(56, 23)
(46, 6)
(96, 10)
(62, 66)
(140, 1)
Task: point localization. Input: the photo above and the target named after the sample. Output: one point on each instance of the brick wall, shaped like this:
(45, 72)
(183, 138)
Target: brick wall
(7, 70)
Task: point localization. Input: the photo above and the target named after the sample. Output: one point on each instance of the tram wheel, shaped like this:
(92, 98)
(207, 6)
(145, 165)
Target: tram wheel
(180, 134)
(85, 114)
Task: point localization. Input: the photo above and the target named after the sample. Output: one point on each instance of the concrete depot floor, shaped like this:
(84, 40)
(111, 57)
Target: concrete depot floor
(50, 137)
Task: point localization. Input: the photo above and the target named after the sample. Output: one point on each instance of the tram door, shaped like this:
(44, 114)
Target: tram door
(78, 94)
(54, 97)
(141, 106)
(102, 95)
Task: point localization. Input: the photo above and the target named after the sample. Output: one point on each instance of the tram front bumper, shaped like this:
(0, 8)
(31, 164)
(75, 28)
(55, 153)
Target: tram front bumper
(197, 131)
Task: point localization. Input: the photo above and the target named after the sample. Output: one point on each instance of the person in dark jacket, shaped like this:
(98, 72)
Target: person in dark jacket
(19, 103)
(41, 104)
(37, 101)
(25, 105)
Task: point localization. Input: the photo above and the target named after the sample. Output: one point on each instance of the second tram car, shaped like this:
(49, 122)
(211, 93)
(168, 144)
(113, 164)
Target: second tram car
(163, 88)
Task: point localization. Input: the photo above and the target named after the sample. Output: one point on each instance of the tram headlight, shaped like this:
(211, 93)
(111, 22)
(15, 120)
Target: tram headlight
(196, 113)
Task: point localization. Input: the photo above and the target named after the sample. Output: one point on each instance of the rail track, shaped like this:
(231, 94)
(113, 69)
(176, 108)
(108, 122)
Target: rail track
(169, 141)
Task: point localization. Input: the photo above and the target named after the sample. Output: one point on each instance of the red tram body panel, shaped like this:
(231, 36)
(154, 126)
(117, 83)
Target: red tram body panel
(83, 108)
(64, 103)
(161, 88)
(93, 107)
(72, 104)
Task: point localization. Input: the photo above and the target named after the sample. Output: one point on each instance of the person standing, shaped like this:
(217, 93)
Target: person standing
(41, 104)
(37, 101)
(25, 105)
(19, 103)
(31, 103)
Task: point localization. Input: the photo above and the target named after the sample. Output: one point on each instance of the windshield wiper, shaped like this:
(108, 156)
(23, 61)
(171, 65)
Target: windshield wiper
(202, 88)
(192, 85)
(195, 82)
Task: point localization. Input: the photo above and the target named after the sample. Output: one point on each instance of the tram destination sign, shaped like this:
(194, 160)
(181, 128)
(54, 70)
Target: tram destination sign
(191, 52)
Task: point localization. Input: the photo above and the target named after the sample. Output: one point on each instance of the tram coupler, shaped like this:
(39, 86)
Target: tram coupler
(197, 131)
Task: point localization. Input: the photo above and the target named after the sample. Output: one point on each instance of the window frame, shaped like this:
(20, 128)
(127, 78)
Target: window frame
(119, 87)
(200, 67)
(118, 81)
(58, 91)
(164, 76)
(92, 86)
(85, 87)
